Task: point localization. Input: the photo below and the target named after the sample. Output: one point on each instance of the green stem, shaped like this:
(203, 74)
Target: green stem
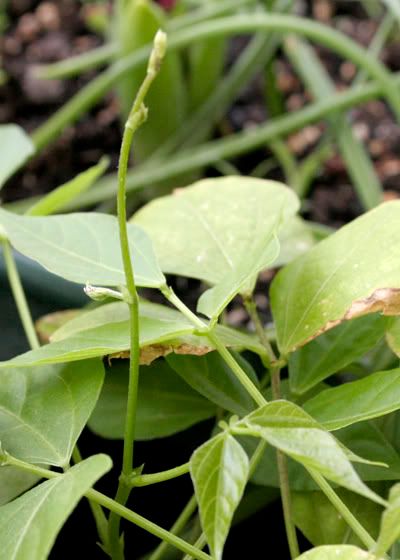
(344, 511)
(231, 25)
(19, 295)
(219, 346)
(147, 479)
(280, 457)
(136, 117)
(97, 511)
(170, 295)
(113, 506)
(199, 544)
(251, 309)
(237, 370)
(176, 528)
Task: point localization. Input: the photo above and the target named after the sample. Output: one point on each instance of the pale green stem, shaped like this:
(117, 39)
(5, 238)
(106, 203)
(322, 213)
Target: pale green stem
(344, 511)
(136, 117)
(204, 329)
(19, 295)
(112, 505)
(200, 544)
(176, 528)
(96, 509)
(280, 457)
(147, 479)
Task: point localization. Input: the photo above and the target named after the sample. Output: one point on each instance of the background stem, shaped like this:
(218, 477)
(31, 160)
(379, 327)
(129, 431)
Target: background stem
(19, 296)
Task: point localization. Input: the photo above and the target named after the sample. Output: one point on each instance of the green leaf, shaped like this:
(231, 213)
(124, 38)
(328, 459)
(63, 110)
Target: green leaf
(212, 302)
(82, 247)
(295, 239)
(166, 404)
(43, 410)
(105, 331)
(219, 470)
(308, 507)
(288, 428)
(390, 524)
(16, 148)
(220, 231)
(332, 351)
(29, 525)
(373, 396)
(365, 439)
(393, 335)
(118, 312)
(57, 199)
(13, 482)
(212, 378)
(337, 552)
(353, 272)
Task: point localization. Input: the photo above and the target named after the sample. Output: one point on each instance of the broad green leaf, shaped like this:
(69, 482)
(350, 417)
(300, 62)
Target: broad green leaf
(337, 552)
(57, 199)
(82, 247)
(118, 312)
(221, 231)
(13, 482)
(353, 272)
(332, 351)
(105, 331)
(16, 148)
(308, 507)
(295, 238)
(365, 439)
(212, 302)
(393, 335)
(43, 410)
(166, 404)
(213, 225)
(219, 469)
(390, 524)
(212, 378)
(373, 396)
(288, 428)
(29, 525)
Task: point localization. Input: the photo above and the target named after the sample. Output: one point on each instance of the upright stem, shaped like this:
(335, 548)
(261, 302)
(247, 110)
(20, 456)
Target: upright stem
(280, 457)
(97, 511)
(136, 118)
(221, 349)
(176, 528)
(344, 511)
(19, 295)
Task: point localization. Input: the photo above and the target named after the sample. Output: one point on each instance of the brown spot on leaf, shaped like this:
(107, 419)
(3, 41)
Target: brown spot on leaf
(153, 351)
(383, 300)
